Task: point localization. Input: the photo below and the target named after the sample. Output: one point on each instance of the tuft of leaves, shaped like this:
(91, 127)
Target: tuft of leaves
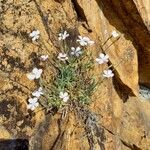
(73, 76)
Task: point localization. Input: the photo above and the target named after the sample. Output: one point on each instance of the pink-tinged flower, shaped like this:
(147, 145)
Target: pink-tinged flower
(35, 74)
(62, 56)
(63, 36)
(33, 103)
(64, 96)
(102, 58)
(108, 73)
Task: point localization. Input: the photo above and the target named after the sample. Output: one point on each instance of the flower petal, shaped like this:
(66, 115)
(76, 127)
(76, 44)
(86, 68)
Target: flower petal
(112, 75)
(65, 94)
(38, 75)
(65, 32)
(105, 71)
(100, 61)
(61, 94)
(109, 71)
(101, 55)
(86, 39)
(65, 99)
(30, 76)
(29, 106)
(72, 48)
(33, 100)
(36, 94)
(115, 34)
(78, 49)
(32, 107)
(40, 89)
(37, 32)
(80, 37)
(91, 42)
(35, 70)
(31, 34)
(30, 100)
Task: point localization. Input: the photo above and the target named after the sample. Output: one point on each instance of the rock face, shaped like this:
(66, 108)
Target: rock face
(117, 119)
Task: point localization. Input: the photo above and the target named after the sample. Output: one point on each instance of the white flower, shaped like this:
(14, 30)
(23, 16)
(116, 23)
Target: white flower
(64, 96)
(44, 57)
(76, 51)
(38, 92)
(102, 58)
(108, 73)
(63, 36)
(115, 34)
(33, 103)
(84, 41)
(62, 56)
(35, 35)
(35, 74)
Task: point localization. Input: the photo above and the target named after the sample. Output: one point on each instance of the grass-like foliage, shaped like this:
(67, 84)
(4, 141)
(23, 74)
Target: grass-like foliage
(74, 77)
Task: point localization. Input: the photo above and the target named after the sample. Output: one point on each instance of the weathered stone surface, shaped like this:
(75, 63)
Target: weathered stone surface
(143, 8)
(114, 120)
